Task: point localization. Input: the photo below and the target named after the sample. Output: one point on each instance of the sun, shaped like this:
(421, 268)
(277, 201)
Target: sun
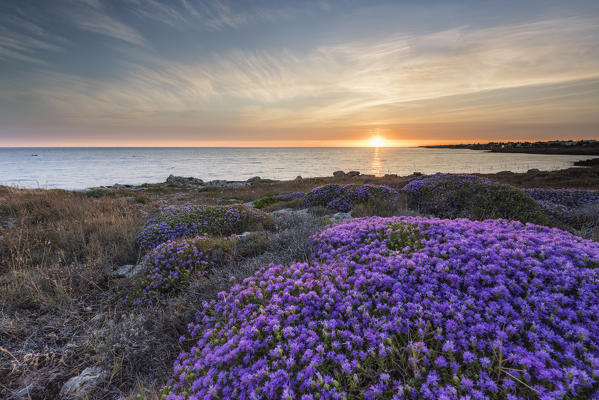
(377, 141)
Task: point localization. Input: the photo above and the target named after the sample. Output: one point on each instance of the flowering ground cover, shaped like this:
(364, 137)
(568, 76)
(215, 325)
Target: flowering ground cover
(344, 197)
(571, 198)
(169, 266)
(190, 221)
(407, 308)
(569, 207)
(473, 197)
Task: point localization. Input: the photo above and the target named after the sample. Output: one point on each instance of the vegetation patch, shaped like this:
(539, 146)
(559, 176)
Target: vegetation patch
(491, 309)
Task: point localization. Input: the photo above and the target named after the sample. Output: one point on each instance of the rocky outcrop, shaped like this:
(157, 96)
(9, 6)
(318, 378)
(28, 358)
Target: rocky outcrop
(338, 174)
(353, 174)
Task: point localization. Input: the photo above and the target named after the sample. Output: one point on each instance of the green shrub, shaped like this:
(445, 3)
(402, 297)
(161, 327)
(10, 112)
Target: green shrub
(265, 201)
(473, 197)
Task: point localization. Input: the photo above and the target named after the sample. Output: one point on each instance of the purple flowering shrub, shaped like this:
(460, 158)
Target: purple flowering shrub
(289, 196)
(344, 197)
(169, 266)
(190, 221)
(407, 308)
(473, 197)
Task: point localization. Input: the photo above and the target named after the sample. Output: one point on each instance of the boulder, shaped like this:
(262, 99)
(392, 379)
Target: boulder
(417, 174)
(254, 179)
(128, 271)
(226, 184)
(340, 216)
(80, 386)
(352, 174)
(183, 181)
(338, 174)
(533, 171)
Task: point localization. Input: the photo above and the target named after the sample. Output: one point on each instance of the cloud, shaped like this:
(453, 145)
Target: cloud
(541, 69)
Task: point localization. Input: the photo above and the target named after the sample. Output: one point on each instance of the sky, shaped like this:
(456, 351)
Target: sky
(296, 73)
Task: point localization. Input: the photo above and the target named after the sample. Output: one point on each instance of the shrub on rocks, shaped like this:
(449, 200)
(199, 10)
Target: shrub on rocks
(191, 221)
(407, 308)
(473, 197)
(343, 197)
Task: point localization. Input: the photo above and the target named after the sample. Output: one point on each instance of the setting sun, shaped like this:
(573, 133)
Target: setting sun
(377, 141)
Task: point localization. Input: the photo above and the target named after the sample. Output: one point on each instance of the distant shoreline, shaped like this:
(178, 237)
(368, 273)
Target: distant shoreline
(557, 147)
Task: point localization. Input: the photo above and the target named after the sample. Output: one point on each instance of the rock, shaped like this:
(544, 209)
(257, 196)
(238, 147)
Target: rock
(128, 271)
(338, 174)
(533, 171)
(352, 174)
(290, 211)
(7, 223)
(505, 172)
(417, 174)
(299, 178)
(219, 183)
(254, 179)
(24, 393)
(79, 387)
(340, 216)
(118, 186)
(390, 176)
(184, 181)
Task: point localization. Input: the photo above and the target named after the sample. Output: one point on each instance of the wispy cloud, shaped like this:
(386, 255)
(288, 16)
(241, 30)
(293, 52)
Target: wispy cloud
(92, 16)
(214, 15)
(24, 40)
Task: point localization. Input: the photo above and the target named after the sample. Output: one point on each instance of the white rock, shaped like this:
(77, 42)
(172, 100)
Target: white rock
(340, 216)
(128, 271)
(78, 387)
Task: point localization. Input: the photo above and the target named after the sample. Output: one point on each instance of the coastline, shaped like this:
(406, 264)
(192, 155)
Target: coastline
(71, 258)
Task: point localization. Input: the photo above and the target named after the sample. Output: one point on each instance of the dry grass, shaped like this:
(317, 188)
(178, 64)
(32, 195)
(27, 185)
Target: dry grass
(57, 253)
(55, 226)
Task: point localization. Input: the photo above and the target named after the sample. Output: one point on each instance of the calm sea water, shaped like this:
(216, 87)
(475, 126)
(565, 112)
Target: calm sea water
(79, 168)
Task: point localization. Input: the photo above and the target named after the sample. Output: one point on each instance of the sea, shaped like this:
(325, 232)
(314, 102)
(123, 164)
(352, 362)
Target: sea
(79, 168)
